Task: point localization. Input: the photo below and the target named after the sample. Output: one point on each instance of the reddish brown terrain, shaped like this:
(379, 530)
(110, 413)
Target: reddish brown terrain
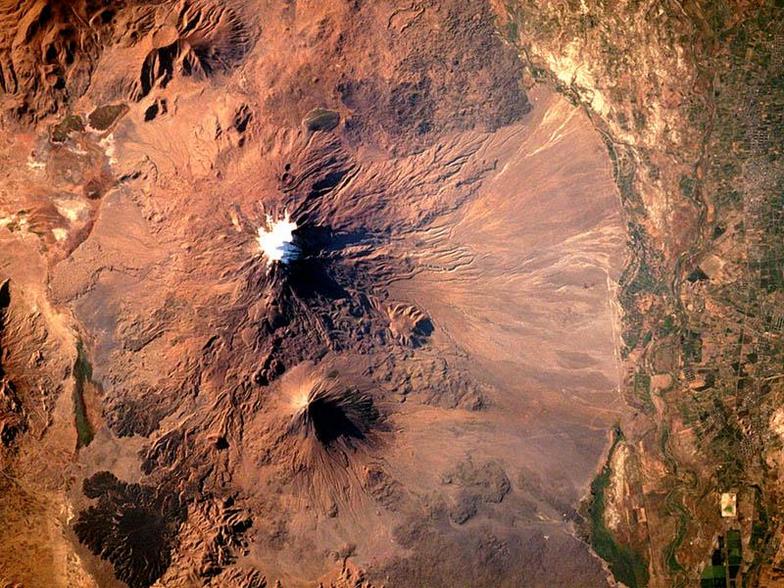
(436, 386)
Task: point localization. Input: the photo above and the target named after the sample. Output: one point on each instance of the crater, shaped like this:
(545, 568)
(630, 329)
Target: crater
(409, 325)
(207, 40)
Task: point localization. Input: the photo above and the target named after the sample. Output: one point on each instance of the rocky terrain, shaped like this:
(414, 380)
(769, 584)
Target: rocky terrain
(526, 333)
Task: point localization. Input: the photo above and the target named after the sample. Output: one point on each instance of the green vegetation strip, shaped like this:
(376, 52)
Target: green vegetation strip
(626, 564)
(680, 534)
(83, 372)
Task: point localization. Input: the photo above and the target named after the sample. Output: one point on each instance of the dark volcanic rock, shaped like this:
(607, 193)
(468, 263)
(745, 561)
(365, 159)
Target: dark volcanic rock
(132, 526)
(487, 483)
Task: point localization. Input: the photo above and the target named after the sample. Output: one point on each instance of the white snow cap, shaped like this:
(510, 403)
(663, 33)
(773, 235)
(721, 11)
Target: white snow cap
(276, 239)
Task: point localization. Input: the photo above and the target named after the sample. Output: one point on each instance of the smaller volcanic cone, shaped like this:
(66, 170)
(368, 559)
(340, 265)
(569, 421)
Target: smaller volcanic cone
(318, 434)
(332, 415)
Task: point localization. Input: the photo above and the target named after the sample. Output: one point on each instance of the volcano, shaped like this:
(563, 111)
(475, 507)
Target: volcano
(321, 271)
